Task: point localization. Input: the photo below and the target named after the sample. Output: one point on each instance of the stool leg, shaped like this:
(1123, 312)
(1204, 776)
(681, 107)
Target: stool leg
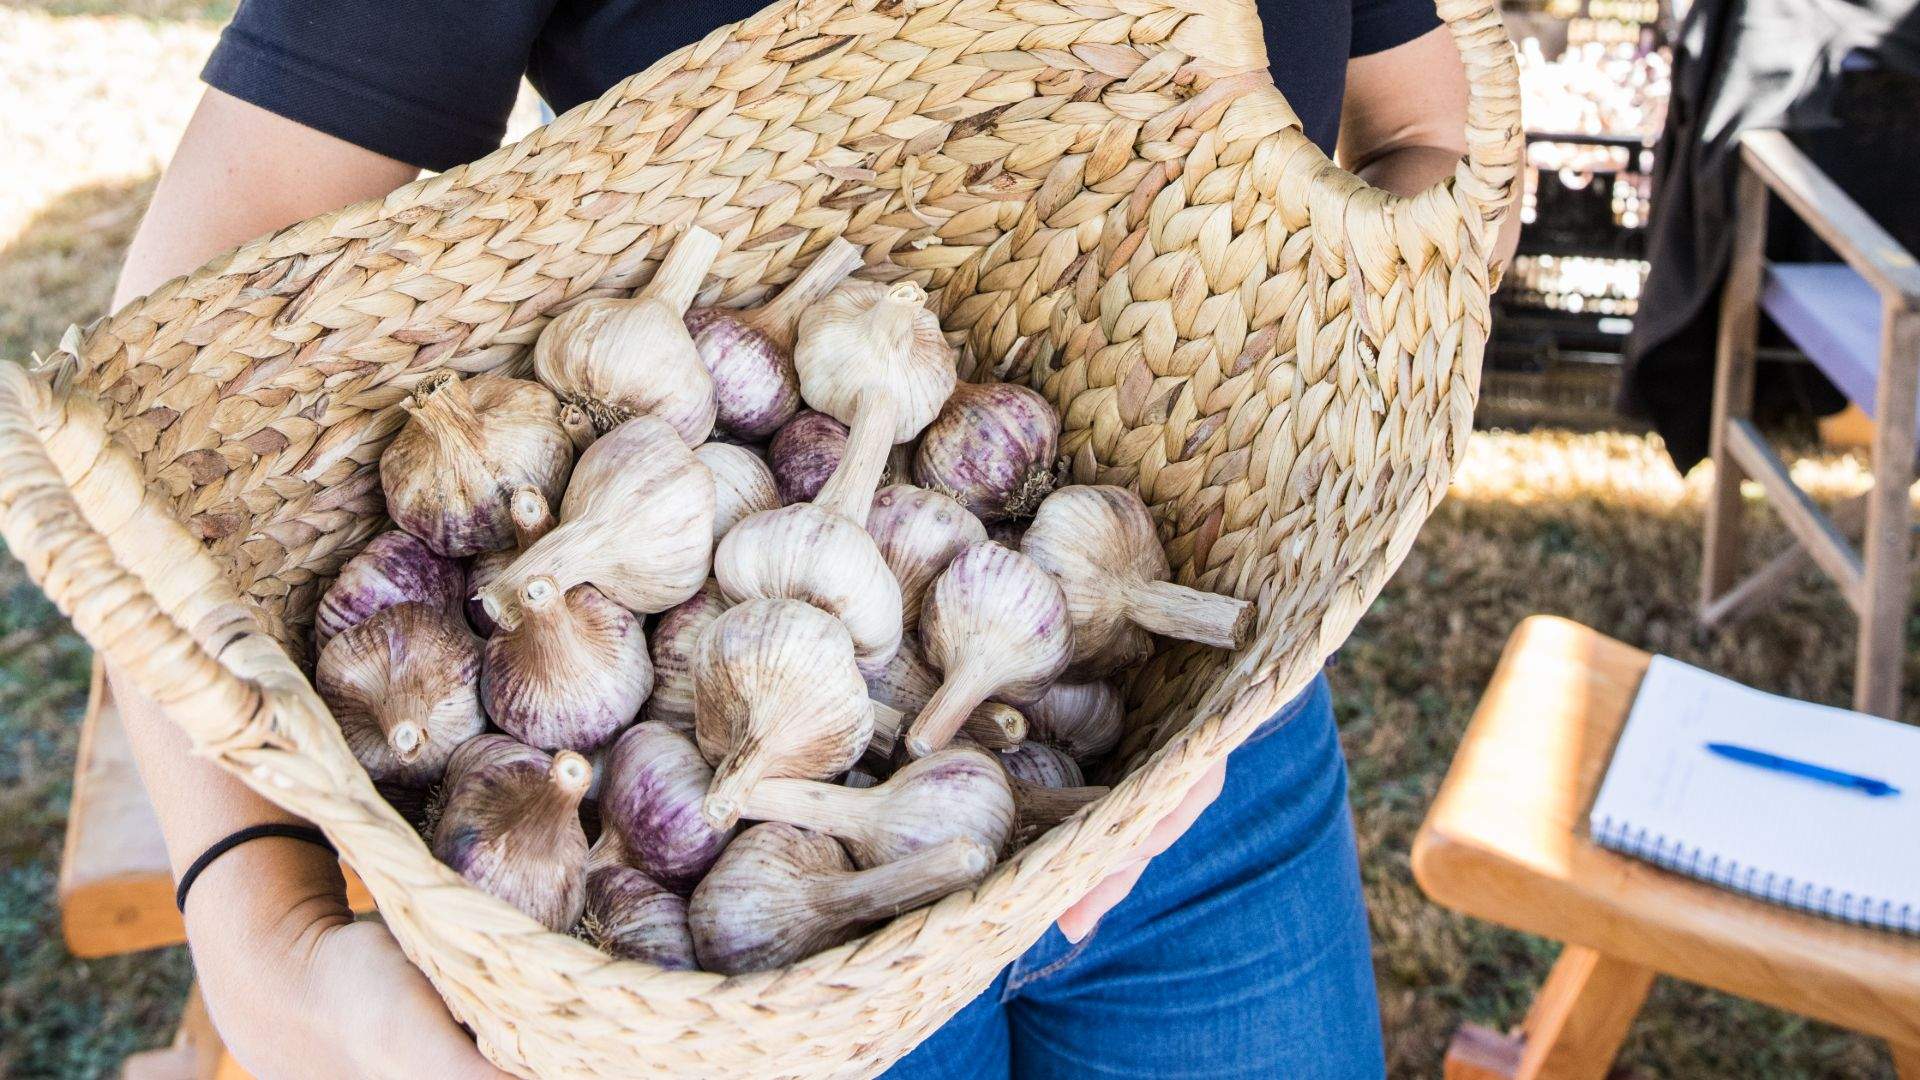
(1572, 1032)
(1888, 541)
(1733, 390)
(1906, 1061)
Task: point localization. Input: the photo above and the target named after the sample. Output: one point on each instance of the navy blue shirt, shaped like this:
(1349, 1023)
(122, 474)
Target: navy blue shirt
(430, 82)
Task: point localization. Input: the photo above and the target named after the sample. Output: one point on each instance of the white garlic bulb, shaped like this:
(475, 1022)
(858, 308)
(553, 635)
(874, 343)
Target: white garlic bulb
(618, 359)
(918, 533)
(742, 484)
(806, 552)
(636, 523)
(872, 357)
(465, 446)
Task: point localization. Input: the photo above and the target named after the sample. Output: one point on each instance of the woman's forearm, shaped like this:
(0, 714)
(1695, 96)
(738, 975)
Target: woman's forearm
(239, 172)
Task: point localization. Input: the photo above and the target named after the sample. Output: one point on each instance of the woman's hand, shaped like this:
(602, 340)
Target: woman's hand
(1079, 919)
(297, 988)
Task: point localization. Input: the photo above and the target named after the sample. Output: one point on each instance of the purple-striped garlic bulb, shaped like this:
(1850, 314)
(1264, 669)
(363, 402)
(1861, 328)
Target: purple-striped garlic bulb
(395, 568)
(511, 826)
(742, 484)
(1040, 764)
(636, 523)
(960, 791)
(467, 444)
(805, 453)
(630, 916)
(807, 552)
(872, 357)
(992, 447)
(618, 359)
(995, 626)
(906, 684)
(1084, 719)
(532, 517)
(656, 781)
(776, 693)
(571, 673)
(750, 353)
(676, 640)
(400, 684)
(1047, 787)
(1099, 543)
(781, 893)
(918, 533)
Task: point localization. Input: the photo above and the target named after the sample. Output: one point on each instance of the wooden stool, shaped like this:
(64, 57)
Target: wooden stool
(116, 887)
(1507, 841)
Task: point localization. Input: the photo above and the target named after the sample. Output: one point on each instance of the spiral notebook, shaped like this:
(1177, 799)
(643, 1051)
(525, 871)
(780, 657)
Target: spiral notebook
(1777, 836)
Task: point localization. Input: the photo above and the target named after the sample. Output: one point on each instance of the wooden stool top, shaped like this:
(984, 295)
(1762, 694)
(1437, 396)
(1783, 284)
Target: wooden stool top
(1507, 841)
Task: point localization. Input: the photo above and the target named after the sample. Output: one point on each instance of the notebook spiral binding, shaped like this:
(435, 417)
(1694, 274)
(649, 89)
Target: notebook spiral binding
(1657, 848)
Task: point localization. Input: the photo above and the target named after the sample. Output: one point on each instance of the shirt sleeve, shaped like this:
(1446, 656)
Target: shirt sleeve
(427, 82)
(1379, 25)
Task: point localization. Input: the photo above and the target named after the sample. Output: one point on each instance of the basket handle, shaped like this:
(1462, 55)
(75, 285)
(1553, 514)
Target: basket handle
(1227, 35)
(130, 598)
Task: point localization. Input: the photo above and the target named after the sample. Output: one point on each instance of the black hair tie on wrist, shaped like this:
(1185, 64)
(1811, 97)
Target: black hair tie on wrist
(233, 840)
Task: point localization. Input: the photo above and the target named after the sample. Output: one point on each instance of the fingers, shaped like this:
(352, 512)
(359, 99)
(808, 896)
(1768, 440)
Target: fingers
(1079, 920)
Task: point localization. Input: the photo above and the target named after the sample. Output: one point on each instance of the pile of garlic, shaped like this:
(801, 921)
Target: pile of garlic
(857, 698)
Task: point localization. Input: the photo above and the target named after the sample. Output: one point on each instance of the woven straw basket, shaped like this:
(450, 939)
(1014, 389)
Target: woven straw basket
(1109, 201)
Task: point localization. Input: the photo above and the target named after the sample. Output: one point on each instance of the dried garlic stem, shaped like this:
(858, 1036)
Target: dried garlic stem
(869, 440)
(1162, 607)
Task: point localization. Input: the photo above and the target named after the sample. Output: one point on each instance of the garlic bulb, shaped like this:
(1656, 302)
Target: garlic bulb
(992, 447)
(1042, 765)
(676, 639)
(750, 353)
(633, 917)
(995, 625)
(618, 359)
(806, 552)
(958, 792)
(918, 533)
(656, 780)
(781, 893)
(511, 826)
(1099, 543)
(742, 484)
(464, 447)
(871, 356)
(571, 673)
(401, 686)
(396, 567)
(1083, 719)
(906, 684)
(532, 519)
(805, 453)
(637, 522)
(776, 693)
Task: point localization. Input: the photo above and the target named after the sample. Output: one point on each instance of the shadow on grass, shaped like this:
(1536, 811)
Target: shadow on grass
(59, 1017)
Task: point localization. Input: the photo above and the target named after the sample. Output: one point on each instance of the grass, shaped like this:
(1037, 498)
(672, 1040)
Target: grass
(1595, 526)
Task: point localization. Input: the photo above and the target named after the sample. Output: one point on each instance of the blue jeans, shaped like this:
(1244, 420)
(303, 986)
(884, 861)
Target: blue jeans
(1242, 952)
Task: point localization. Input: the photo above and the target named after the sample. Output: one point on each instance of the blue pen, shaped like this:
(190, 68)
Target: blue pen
(1764, 760)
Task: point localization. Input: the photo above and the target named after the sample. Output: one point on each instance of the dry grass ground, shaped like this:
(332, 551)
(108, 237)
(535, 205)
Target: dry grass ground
(1596, 527)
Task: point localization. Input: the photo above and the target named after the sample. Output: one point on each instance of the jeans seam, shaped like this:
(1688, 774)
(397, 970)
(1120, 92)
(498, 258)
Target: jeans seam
(1017, 980)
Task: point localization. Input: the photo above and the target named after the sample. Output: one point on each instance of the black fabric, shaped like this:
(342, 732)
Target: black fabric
(1742, 65)
(430, 82)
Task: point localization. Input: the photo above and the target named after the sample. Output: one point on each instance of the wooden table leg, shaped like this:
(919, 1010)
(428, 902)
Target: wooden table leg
(196, 1054)
(1573, 1030)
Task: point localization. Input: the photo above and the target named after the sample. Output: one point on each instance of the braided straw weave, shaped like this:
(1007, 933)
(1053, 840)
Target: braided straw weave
(1109, 200)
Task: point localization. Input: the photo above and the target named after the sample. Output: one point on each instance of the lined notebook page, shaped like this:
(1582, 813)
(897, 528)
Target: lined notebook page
(1785, 838)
